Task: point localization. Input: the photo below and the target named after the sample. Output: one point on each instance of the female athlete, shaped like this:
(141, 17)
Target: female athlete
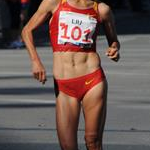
(78, 76)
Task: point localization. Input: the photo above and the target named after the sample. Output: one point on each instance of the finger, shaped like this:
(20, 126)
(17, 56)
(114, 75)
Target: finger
(43, 82)
(35, 74)
(113, 51)
(115, 57)
(40, 76)
(44, 77)
(107, 52)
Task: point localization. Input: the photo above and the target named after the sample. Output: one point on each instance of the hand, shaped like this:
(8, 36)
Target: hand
(39, 72)
(113, 53)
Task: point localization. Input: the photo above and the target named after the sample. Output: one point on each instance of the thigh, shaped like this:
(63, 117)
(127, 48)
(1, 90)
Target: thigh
(94, 108)
(67, 118)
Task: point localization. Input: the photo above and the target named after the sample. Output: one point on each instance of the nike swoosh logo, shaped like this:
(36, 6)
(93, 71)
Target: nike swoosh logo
(88, 82)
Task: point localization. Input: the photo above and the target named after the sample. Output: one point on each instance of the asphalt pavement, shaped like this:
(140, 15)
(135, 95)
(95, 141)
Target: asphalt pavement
(27, 108)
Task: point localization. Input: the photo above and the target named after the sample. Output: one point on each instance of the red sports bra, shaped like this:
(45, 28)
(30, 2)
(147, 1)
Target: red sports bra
(73, 29)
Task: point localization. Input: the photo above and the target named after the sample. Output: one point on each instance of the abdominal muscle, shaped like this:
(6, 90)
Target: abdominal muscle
(68, 65)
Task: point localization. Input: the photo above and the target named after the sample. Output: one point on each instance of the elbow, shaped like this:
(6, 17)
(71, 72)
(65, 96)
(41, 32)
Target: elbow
(25, 32)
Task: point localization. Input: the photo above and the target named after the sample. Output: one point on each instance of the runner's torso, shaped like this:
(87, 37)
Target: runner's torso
(73, 33)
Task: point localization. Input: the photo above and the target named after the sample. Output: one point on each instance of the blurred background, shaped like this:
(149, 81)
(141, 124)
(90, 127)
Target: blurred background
(132, 16)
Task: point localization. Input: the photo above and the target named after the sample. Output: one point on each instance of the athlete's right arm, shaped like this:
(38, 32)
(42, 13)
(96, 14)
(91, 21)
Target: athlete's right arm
(44, 11)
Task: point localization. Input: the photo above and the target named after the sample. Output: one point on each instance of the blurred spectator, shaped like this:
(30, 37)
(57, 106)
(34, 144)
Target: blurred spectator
(24, 11)
(20, 11)
(17, 9)
(4, 22)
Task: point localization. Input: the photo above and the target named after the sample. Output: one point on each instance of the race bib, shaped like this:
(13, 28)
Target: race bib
(76, 28)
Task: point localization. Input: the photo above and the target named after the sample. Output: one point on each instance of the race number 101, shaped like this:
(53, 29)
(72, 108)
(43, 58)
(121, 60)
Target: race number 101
(75, 33)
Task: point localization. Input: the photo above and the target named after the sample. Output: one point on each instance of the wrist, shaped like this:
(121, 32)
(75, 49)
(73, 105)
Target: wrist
(35, 59)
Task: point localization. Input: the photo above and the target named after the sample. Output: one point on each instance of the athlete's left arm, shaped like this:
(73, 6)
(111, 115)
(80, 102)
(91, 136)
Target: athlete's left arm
(106, 16)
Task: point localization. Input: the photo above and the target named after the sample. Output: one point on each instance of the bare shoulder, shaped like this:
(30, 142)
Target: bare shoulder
(104, 11)
(48, 5)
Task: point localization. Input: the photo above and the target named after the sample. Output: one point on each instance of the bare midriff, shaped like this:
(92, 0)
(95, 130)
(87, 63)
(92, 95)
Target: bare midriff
(68, 65)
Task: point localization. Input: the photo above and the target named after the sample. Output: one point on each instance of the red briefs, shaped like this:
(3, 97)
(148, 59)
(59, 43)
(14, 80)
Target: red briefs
(79, 86)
